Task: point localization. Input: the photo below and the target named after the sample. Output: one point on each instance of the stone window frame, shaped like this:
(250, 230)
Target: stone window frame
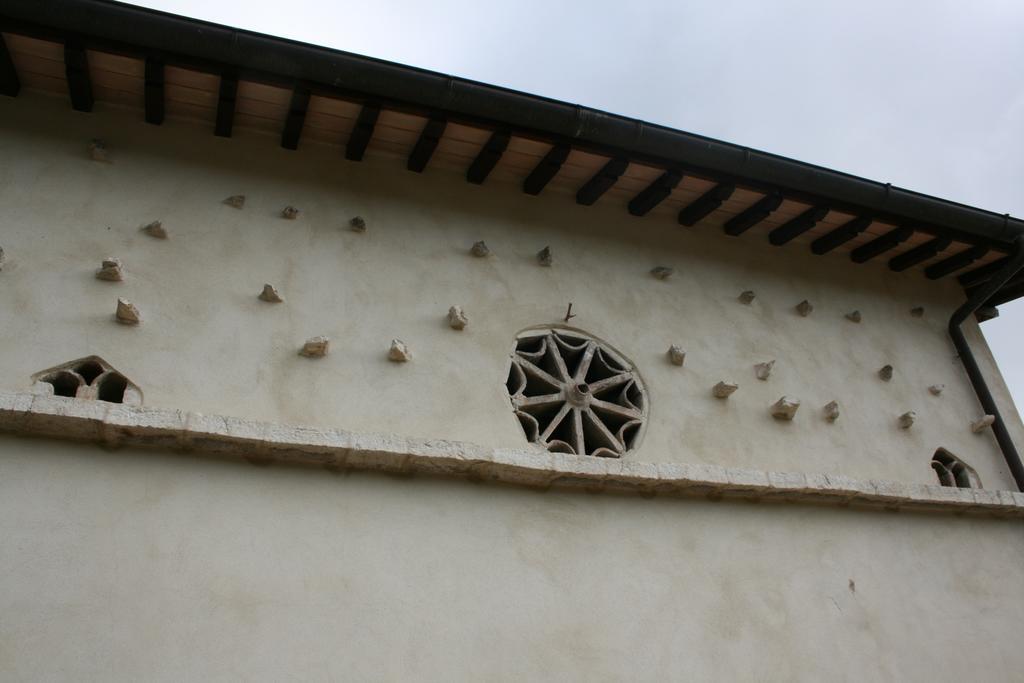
(90, 378)
(954, 472)
(572, 391)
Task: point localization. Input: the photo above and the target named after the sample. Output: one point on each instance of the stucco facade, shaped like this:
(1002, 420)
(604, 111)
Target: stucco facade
(130, 563)
(135, 565)
(208, 344)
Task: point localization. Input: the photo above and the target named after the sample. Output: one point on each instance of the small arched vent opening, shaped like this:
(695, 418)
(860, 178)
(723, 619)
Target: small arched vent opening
(112, 387)
(89, 370)
(952, 471)
(575, 394)
(64, 383)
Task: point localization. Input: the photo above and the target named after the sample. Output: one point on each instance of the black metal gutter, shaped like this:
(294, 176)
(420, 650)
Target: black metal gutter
(963, 349)
(214, 47)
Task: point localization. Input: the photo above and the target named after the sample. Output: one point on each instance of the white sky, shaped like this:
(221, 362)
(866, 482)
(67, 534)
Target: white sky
(925, 94)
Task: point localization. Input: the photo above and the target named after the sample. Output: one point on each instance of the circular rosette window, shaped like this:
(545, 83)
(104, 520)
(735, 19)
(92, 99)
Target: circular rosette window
(573, 394)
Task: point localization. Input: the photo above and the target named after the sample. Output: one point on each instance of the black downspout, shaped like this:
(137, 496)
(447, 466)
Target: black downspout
(983, 293)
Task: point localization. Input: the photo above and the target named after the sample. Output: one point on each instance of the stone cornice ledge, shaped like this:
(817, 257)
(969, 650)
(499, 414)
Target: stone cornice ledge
(115, 425)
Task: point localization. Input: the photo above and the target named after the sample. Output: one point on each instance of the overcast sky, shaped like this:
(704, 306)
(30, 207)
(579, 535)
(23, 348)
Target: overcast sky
(925, 94)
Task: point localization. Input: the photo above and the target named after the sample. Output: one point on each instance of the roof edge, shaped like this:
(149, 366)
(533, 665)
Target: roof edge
(220, 47)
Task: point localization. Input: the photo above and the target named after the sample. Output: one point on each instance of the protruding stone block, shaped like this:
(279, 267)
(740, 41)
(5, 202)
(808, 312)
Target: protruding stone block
(457, 318)
(155, 229)
(885, 373)
(676, 355)
(906, 420)
(662, 272)
(14, 409)
(2, 258)
(235, 201)
(831, 411)
(98, 151)
(764, 370)
(399, 352)
(480, 249)
(917, 311)
(127, 313)
(270, 294)
(544, 257)
(853, 316)
(110, 270)
(804, 308)
(315, 347)
(56, 416)
(785, 408)
(747, 296)
(788, 482)
(741, 479)
(357, 224)
(936, 389)
(983, 423)
(724, 389)
(290, 212)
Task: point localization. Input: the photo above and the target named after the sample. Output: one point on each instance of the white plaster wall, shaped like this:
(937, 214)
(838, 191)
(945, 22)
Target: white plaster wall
(131, 565)
(208, 344)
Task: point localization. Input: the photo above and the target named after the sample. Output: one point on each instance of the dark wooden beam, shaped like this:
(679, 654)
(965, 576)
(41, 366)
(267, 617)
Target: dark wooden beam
(154, 91)
(602, 181)
(226, 105)
(977, 276)
(1014, 282)
(362, 132)
(296, 118)
(703, 206)
(9, 83)
(841, 235)
(880, 245)
(919, 254)
(1007, 294)
(488, 157)
(547, 169)
(1014, 289)
(427, 143)
(797, 226)
(655, 193)
(76, 68)
(752, 215)
(955, 262)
